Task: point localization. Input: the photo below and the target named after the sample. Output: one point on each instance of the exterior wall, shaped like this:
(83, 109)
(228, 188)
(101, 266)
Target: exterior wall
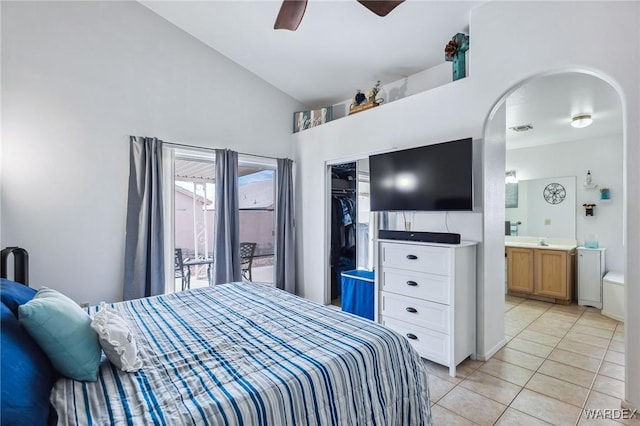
(184, 225)
(255, 225)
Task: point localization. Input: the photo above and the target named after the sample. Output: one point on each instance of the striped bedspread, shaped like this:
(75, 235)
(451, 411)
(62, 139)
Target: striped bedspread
(246, 353)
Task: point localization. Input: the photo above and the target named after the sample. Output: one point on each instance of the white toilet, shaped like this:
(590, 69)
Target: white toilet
(613, 295)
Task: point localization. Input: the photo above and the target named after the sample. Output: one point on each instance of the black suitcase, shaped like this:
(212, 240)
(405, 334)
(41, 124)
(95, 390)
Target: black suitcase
(20, 264)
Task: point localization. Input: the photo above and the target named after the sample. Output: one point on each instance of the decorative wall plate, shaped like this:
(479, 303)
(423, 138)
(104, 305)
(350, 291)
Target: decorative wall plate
(554, 193)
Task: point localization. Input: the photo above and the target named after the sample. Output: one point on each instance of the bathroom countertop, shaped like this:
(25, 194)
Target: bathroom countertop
(534, 242)
(566, 247)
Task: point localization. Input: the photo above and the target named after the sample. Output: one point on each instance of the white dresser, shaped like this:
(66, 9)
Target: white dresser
(427, 293)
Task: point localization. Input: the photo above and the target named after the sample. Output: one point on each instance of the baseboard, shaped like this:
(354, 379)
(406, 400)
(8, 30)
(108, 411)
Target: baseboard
(612, 315)
(629, 406)
(487, 356)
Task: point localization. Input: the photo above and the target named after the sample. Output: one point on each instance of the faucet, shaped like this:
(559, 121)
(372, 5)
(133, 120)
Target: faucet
(543, 242)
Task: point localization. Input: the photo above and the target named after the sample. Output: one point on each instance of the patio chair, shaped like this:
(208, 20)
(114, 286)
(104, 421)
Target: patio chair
(246, 259)
(180, 270)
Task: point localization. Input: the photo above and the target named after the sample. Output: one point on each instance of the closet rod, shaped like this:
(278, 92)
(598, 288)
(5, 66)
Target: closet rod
(181, 145)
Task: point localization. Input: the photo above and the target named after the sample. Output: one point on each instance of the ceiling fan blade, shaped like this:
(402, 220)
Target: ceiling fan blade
(380, 7)
(290, 15)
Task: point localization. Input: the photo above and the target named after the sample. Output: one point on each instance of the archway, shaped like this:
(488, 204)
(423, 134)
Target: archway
(495, 137)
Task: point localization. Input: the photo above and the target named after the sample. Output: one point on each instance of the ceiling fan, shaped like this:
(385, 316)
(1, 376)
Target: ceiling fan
(292, 11)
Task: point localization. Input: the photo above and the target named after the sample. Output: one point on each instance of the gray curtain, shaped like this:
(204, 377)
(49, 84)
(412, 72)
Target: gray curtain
(285, 230)
(226, 222)
(144, 242)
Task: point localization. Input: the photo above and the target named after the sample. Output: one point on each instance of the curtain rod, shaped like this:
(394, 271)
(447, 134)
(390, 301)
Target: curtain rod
(213, 149)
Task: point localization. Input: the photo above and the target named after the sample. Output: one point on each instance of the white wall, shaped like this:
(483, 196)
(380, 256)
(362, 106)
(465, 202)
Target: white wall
(467, 224)
(603, 156)
(559, 216)
(400, 124)
(77, 79)
(506, 50)
(411, 85)
(541, 219)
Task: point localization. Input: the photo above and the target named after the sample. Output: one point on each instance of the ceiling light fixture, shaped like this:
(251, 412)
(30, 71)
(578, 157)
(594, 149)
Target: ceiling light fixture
(522, 128)
(581, 120)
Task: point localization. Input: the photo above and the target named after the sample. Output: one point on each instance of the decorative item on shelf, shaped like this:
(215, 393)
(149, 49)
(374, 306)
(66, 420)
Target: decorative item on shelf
(408, 220)
(454, 52)
(588, 181)
(362, 101)
(588, 209)
(303, 120)
(591, 241)
(605, 194)
(371, 94)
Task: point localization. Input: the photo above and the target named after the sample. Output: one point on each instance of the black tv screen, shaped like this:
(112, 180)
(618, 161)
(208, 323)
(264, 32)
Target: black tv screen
(429, 178)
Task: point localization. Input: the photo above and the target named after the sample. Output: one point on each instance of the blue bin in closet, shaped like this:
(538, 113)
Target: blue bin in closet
(357, 292)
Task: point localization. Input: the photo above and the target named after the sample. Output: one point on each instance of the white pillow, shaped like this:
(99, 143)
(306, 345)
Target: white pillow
(116, 339)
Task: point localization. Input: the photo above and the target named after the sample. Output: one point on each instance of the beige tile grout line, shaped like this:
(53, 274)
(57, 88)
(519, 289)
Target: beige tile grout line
(477, 368)
(589, 390)
(597, 373)
(593, 382)
(545, 358)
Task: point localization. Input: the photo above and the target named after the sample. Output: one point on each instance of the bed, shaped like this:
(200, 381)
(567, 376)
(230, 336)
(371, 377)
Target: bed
(247, 353)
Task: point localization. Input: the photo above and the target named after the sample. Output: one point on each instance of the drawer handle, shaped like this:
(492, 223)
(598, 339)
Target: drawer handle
(412, 283)
(412, 336)
(412, 310)
(412, 257)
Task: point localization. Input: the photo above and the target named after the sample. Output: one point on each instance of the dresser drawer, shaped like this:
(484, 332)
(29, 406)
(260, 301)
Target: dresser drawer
(416, 311)
(435, 288)
(428, 343)
(433, 260)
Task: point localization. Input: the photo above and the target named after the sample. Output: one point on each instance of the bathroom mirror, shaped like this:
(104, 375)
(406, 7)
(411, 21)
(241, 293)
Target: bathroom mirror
(546, 207)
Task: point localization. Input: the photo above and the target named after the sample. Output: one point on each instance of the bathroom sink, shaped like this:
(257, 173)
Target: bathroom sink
(539, 246)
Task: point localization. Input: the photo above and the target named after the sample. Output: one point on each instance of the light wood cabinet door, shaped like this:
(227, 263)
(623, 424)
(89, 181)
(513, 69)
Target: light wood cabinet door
(520, 271)
(551, 273)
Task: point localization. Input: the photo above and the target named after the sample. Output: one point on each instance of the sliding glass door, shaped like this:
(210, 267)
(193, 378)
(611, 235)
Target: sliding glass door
(192, 217)
(190, 211)
(256, 188)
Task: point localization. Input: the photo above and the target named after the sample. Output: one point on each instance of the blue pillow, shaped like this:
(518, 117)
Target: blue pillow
(63, 331)
(15, 294)
(27, 375)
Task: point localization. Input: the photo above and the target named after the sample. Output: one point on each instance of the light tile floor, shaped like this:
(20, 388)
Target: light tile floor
(559, 362)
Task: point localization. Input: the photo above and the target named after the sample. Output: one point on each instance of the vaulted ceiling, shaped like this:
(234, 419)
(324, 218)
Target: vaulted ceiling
(341, 46)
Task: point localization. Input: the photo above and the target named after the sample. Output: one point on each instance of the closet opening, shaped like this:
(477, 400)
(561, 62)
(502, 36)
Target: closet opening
(351, 245)
(344, 202)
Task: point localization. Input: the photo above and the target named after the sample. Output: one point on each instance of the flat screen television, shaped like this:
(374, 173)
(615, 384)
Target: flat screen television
(429, 178)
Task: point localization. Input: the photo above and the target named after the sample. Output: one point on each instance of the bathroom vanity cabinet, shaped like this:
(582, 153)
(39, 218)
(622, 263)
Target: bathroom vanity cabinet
(545, 271)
